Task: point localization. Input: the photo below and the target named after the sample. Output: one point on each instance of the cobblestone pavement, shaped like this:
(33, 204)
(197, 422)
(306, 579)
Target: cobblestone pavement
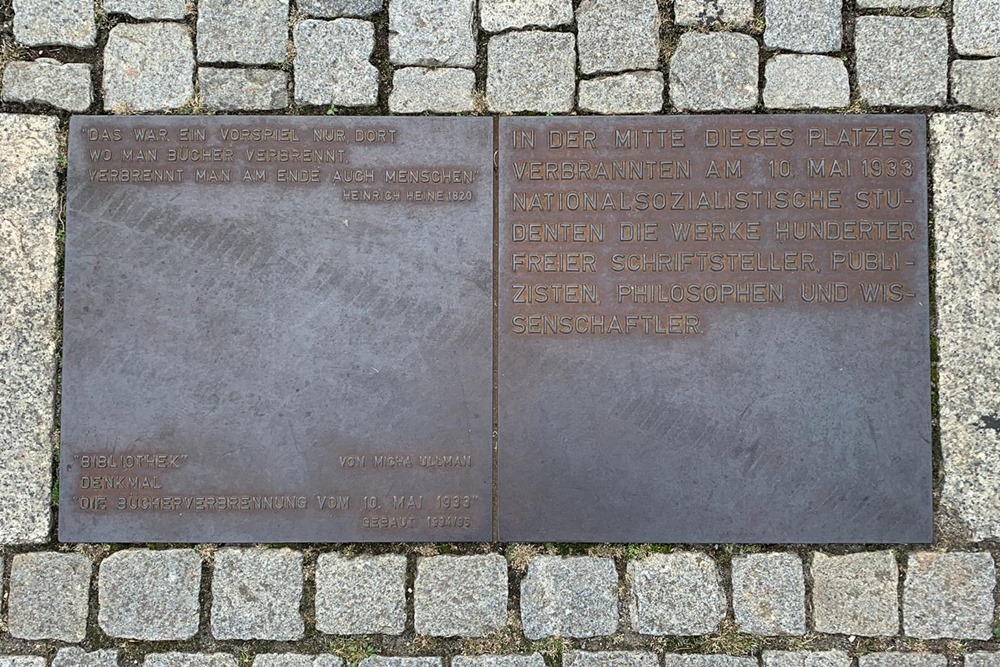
(504, 605)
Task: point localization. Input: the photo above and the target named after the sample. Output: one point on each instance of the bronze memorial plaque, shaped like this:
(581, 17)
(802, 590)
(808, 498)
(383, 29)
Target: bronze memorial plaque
(714, 329)
(278, 329)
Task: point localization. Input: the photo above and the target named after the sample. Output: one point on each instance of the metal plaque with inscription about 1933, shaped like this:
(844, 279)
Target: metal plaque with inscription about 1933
(714, 329)
(277, 329)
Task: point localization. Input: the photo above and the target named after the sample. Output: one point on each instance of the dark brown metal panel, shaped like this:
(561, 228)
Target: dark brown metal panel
(714, 329)
(277, 329)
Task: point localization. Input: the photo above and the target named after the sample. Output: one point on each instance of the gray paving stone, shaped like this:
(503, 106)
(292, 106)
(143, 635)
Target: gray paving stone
(48, 596)
(949, 595)
(296, 660)
(982, 659)
(976, 83)
(769, 594)
(497, 15)
(806, 82)
(569, 597)
(432, 33)
(256, 594)
(965, 149)
(77, 657)
(386, 661)
(703, 660)
(632, 92)
(898, 4)
(49, 82)
(807, 26)
(361, 596)
(714, 72)
(332, 63)
(148, 67)
(902, 660)
(531, 71)
(617, 35)
(512, 660)
(976, 31)
(806, 659)
(902, 61)
(463, 596)
(441, 89)
(252, 32)
(189, 660)
(55, 23)
(242, 89)
(29, 150)
(150, 595)
(678, 593)
(337, 8)
(856, 594)
(21, 661)
(713, 13)
(609, 659)
(168, 10)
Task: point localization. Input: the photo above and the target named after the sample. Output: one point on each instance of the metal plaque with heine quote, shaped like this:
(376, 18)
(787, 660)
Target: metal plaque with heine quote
(278, 329)
(714, 329)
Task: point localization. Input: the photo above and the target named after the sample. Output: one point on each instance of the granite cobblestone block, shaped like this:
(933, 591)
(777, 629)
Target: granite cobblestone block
(678, 593)
(976, 29)
(242, 89)
(256, 594)
(388, 661)
(441, 90)
(531, 71)
(806, 82)
(49, 595)
(976, 83)
(460, 596)
(618, 35)
(902, 61)
(769, 594)
(340, 8)
(176, 659)
(332, 63)
(250, 32)
(949, 595)
(510, 660)
(610, 659)
(856, 594)
(55, 23)
(296, 660)
(21, 661)
(893, 659)
(628, 93)
(150, 595)
(806, 26)
(167, 10)
(361, 596)
(497, 15)
(706, 660)
(77, 657)
(713, 13)
(569, 597)
(805, 659)
(148, 67)
(432, 33)
(714, 72)
(49, 82)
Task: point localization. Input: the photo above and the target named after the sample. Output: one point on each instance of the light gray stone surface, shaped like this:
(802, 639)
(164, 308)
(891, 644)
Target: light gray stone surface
(976, 29)
(965, 149)
(806, 82)
(806, 659)
(497, 15)
(29, 150)
(242, 89)
(337, 8)
(610, 659)
(21, 661)
(569, 597)
(47, 81)
(296, 660)
(387, 661)
(147, 9)
(706, 660)
(856, 594)
(713, 13)
(531, 71)
(361, 596)
(898, 4)
(678, 593)
(332, 63)
(55, 23)
(511, 660)
(441, 89)
(256, 594)
(949, 595)
(617, 35)
(714, 72)
(48, 596)
(77, 657)
(807, 26)
(460, 596)
(976, 83)
(982, 659)
(902, 660)
(769, 594)
(432, 33)
(148, 67)
(632, 92)
(150, 595)
(173, 659)
(902, 61)
(251, 32)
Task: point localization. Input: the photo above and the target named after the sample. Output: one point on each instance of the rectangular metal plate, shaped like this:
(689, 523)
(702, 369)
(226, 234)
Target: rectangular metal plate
(277, 329)
(714, 329)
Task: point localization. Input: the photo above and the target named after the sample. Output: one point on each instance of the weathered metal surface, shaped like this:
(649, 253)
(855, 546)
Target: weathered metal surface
(714, 329)
(277, 329)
